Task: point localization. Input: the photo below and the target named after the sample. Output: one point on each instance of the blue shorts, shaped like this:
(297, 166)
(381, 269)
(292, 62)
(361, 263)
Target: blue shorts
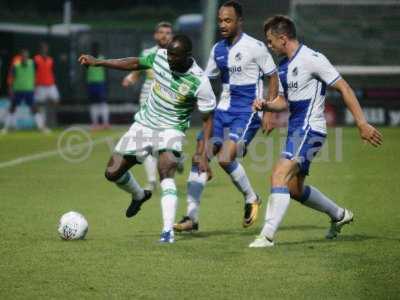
(302, 146)
(97, 92)
(234, 126)
(26, 97)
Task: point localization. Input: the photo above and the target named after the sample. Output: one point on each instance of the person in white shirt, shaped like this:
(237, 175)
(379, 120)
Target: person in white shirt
(304, 75)
(241, 62)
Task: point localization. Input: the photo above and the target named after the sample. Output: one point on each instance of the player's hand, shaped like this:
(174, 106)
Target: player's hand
(370, 134)
(87, 60)
(258, 104)
(127, 81)
(204, 166)
(267, 123)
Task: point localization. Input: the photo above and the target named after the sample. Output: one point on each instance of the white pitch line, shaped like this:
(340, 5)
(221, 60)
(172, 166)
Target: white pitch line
(47, 154)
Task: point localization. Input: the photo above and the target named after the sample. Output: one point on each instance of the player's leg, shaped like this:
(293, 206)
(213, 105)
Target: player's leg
(311, 197)
(278, 201)
(105, 114)
(242, 129)
(10, 120)
(117, 171)
(93, 94)
(38, 117)
(167, 163)
(150, 167)
(195, 186)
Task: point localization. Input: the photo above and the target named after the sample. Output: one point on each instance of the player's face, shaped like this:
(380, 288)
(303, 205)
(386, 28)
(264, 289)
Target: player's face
(177, 57)
(276, 42)
(229, 23)
(163, 36)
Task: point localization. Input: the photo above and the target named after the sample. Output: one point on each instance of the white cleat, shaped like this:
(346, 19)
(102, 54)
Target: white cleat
(261, 242)
(336, 227)
(4, 131)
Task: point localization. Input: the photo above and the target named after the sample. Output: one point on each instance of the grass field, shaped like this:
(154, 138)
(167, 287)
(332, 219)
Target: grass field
(121, 259)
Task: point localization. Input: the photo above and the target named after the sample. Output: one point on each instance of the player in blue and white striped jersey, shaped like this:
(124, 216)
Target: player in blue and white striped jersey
(241, 62)
(304, 75)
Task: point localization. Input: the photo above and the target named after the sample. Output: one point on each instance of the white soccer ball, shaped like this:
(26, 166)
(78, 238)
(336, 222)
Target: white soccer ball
(73, 226)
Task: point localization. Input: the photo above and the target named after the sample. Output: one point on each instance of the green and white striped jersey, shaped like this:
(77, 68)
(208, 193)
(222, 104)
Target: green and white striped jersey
(149, 76)
(173, 95)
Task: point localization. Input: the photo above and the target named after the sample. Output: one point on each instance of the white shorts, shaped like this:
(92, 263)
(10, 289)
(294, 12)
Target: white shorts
(44, 93)
(142, 141)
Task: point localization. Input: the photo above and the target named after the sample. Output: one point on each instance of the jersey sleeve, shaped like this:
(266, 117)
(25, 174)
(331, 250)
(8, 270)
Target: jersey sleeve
(322, 68)
(146, 61)
(212, 69)
(264, 59)
(206, 101)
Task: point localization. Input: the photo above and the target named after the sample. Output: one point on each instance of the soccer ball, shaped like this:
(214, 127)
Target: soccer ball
(72, 226)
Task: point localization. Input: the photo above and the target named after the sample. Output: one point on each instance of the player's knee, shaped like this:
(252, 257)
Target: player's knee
(111, 176)
(278, 178)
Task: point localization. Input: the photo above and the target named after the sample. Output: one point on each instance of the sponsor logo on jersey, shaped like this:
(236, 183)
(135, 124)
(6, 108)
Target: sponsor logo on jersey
(235, 69)
(293, 85)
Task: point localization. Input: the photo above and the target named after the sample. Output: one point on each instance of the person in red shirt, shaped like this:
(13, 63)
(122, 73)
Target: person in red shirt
(46, 89)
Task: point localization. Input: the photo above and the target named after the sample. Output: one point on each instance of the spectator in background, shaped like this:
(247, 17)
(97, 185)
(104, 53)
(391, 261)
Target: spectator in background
(96, 83)
(21, 88)
(46, 89)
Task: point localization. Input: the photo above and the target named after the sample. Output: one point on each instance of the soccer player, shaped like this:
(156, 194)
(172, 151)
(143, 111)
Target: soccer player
(162, 36)
(240, 61)
(304, 74)
(21, 89)
(96, 85)
(159, 126)
(46, 89)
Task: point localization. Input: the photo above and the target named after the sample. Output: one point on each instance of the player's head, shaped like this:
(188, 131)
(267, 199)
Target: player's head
(24, 55)
(278, 31)
(95, 49)
(44, 48)
(230, 19)
(163, 34)
(179, 53)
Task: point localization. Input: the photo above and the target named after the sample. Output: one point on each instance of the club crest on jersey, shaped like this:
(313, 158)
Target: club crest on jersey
(184, 89)
(295, 71)
(238, 56)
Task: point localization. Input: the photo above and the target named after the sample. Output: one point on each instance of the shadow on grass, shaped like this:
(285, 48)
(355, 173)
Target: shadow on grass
(342, 238)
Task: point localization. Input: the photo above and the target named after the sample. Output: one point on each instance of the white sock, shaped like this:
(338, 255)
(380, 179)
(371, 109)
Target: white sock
(94, 114)
(314, 199)
(241, 181)
(105, 113)
(39, 120)
(130, 185)
(195, 187)
(278, 203)
(10, 121)
(150, 166)
(169, 202)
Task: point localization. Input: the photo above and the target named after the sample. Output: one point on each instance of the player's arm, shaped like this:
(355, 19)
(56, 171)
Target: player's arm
(367, 132)
(321, 67)
(273, 87)
(126, 64)
(206, 103)
(131, 78)
(279, 104)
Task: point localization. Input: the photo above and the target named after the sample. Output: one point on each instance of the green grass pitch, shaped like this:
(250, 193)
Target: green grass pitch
(121, 259)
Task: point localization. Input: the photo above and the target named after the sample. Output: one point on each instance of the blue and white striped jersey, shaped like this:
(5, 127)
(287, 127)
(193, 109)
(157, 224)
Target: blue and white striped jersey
(241, 67)
(304, 79)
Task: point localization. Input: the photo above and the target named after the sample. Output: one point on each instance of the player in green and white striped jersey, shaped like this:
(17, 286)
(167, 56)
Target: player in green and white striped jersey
(179, 85)
(162, 36)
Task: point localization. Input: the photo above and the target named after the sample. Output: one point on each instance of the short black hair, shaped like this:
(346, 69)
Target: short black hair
(162, 24)
(236, 6)
(185, 42)
(280, 24)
